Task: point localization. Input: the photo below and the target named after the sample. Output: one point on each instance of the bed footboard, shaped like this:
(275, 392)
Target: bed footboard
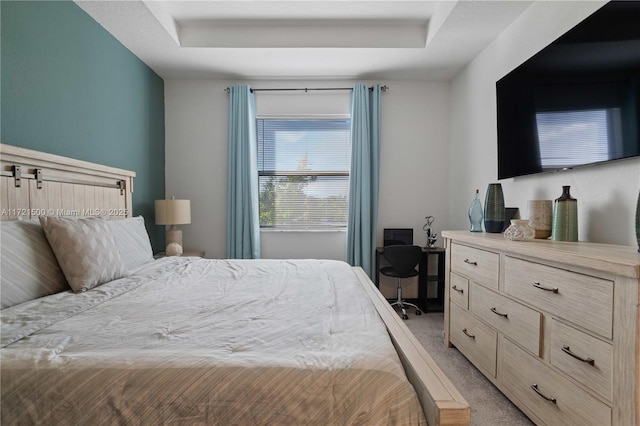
(441, 401)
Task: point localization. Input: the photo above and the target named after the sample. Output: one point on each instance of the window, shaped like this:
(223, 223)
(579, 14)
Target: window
(303, 172)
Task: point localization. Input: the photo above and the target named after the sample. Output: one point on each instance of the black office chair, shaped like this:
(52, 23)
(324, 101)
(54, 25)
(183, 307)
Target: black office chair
(402, 260)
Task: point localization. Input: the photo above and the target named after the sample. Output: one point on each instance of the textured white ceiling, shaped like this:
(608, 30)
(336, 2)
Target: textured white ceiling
(267, 39)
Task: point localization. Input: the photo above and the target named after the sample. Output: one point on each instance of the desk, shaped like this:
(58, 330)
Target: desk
(426, 304)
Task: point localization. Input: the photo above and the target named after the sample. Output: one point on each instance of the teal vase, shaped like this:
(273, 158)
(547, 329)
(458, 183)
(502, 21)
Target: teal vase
(638, 221)
(565, 217)
(475, 213)
(494, 211)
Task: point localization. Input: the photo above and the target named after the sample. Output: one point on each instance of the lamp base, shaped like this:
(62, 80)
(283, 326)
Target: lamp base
(173, 235)
(173, 249)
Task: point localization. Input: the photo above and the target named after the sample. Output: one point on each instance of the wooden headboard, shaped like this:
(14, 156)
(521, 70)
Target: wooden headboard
(34, 183)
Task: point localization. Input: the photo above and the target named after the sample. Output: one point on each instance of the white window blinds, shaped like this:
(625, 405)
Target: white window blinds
(303, 172)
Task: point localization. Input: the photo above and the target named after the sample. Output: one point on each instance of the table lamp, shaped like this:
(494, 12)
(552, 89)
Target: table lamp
(173, 212)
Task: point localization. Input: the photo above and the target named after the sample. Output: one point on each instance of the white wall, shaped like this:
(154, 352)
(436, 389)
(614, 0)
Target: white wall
(413, 169)
(607, 194)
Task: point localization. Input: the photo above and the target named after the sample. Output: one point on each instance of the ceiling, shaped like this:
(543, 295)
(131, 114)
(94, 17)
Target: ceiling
(305, 39)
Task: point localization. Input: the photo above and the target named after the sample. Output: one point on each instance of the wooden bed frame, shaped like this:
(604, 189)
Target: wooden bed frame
(441, 401)
(34, 183)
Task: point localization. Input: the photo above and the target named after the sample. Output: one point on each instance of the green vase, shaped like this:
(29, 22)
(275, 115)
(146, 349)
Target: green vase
(494, 212)
(565, 217)
(638, 221)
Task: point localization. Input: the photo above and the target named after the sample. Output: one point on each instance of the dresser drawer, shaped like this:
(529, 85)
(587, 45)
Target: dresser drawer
(475, 340)
(511, 318)
(583, 357)
(479, 265)
(459, 290)
(560, 402)
(581, 299)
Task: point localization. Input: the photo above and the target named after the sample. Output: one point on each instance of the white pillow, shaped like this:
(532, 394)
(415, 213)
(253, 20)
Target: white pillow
(85, 249)
(28, 267)
(132, 241)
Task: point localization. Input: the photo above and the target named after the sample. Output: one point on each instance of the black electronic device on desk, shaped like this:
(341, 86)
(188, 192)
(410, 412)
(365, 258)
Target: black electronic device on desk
(398, 236)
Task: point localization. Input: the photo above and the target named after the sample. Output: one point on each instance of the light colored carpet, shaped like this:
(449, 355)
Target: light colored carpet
(488, 405)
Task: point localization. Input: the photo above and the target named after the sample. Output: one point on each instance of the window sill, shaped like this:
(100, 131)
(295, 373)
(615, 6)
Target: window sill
(269, 230)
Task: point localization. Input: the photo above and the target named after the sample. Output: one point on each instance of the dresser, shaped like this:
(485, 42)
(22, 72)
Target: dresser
(554, 325)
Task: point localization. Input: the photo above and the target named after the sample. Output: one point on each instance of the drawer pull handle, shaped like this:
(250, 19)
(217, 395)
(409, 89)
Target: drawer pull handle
(535, 388)
(470, 262)
(495, 311)
(464, 330)
(566, 349)
(459, 290)
(552, 290)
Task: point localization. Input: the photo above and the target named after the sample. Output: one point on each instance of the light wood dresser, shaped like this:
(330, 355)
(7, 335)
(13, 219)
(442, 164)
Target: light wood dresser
(554, 325)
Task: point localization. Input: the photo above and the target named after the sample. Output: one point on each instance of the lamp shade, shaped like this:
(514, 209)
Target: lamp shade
(173, 212)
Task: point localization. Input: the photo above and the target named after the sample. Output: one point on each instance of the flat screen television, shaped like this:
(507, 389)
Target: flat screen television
(577, 101)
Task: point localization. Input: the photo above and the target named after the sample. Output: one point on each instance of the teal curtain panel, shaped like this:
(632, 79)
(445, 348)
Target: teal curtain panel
(243, 226)
(364, 176)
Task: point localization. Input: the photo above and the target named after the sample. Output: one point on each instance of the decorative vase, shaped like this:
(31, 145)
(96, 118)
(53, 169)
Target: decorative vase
(565, 217)
(475, 213)
(638, 221)
(540, 213)
(494, 209)
(520, 230)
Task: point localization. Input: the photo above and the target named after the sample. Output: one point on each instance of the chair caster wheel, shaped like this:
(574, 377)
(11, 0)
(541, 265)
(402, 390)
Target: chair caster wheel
(418, 312)
(405, 317)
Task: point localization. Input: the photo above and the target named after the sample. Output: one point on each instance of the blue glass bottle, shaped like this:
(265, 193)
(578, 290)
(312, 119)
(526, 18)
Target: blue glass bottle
(475, 213)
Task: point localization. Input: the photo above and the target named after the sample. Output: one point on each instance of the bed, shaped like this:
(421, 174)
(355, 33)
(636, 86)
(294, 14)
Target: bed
(182, 339)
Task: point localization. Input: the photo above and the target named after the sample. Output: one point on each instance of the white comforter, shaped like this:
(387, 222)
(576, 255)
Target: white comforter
(194, 341)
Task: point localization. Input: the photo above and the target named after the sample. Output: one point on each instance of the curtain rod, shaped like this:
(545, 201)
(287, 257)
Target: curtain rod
(306, 89)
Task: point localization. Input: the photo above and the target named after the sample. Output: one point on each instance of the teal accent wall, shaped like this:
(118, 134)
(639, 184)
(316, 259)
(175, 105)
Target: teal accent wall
(70, 88)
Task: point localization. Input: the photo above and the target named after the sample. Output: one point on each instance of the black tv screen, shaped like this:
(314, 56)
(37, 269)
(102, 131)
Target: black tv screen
(577, 101)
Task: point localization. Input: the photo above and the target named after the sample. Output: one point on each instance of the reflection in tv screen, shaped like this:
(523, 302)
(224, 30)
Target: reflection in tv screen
(572, 138)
